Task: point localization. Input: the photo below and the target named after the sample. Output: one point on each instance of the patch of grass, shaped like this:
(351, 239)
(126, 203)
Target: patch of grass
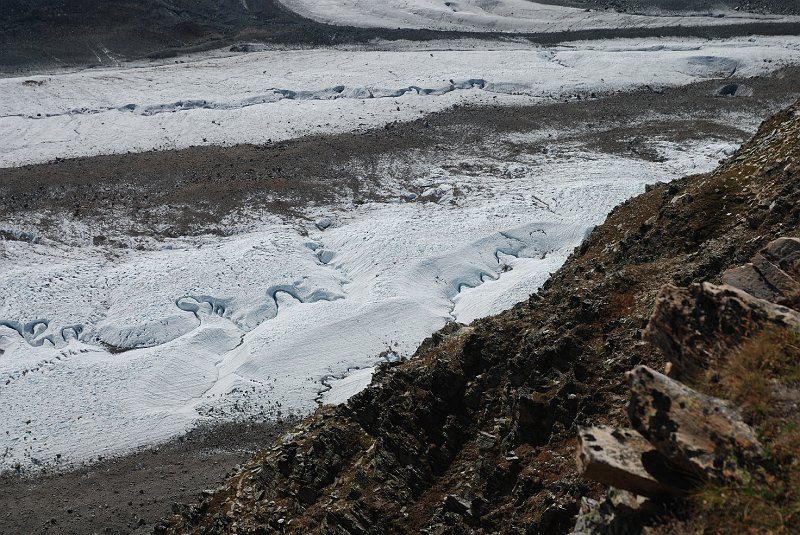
(754, 373)
(722, 509)
(763, 378)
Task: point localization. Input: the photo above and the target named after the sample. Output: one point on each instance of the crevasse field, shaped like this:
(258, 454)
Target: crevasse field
(106, 349)
(223, 98)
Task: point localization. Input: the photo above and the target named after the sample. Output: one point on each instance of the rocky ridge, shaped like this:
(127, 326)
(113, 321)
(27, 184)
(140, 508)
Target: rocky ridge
(477, 432)
(680, 439)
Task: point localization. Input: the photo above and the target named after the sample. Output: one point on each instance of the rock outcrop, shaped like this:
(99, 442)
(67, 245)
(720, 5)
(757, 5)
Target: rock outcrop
(697, 325)
(624, 459)
(701, 436)
(772, 274)
(680, 438)
(476, 433)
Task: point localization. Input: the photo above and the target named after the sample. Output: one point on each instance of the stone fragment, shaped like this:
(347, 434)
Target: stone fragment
(459, 506)
(701, 436)
(623, 458)
(486, 441)
(695, 326)
(323, 223)
(773, 274)
(785, 253)
(748, 279)
(786, 287)
(620, 512)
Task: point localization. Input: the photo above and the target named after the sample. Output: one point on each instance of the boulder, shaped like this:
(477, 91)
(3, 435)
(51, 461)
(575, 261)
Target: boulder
(697, 325)
(624, 459)
(323, 223)
(701, 436)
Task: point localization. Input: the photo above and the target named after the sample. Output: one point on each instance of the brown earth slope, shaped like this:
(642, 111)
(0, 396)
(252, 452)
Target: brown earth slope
(476, 434)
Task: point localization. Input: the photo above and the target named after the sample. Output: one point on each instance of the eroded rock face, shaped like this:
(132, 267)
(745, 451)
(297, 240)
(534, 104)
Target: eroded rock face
(693, 326)
(701, 436)
(679, 438)
(689, 437)
(696, 325)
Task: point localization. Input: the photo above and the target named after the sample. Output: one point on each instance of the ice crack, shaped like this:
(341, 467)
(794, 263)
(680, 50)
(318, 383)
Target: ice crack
(272, 95)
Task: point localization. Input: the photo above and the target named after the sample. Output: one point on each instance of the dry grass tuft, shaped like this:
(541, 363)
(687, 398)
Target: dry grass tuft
(763, 378)
(753, 376)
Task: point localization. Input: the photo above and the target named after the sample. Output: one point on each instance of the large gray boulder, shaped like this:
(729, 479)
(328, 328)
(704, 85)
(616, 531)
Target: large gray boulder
(696, 326)
(702, 437)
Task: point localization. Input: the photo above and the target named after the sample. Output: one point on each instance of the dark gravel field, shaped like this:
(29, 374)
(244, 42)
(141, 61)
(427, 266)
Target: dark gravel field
(129, 494)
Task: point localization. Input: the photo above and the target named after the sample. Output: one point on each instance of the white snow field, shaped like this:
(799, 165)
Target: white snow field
(501, 16)
(280, 94)
(276, 318)
(262, 323)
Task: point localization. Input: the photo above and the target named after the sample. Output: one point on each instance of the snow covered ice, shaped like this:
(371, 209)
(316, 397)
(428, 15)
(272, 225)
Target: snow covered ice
(261, 96)
(499, 16)
(269, 322)
(106, 349)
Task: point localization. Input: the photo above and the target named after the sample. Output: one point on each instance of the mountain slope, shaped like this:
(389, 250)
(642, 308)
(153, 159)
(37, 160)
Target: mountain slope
(476, 434)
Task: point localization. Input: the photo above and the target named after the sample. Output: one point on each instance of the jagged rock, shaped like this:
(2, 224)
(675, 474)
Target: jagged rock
(623, 458)
(749, 279)
(463, 507)
(773, 274)
(323, 223)
(693, 326)
(486, 441)
(619, 513)
(410, 439)
(785, 253)
(700, 435)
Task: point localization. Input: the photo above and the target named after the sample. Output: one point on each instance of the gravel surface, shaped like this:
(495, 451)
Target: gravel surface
(132, 493)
